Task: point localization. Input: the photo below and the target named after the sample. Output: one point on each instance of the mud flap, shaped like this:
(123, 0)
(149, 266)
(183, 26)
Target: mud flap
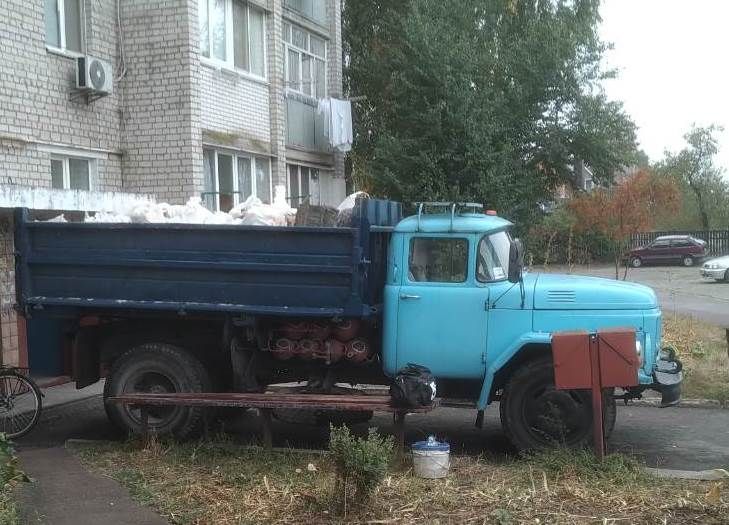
(85, 355)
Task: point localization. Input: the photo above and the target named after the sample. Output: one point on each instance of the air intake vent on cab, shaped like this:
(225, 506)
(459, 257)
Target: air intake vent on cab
(561, 296)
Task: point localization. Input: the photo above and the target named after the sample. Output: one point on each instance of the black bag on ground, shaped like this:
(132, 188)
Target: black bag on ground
(413, 386)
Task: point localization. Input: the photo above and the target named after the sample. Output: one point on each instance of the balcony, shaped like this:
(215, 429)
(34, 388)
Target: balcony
(305, 128)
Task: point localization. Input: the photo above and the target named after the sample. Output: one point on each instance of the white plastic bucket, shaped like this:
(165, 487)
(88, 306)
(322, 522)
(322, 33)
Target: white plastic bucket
(431, 459)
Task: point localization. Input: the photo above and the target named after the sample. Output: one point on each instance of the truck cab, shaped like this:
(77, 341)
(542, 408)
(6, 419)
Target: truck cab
(457, 301)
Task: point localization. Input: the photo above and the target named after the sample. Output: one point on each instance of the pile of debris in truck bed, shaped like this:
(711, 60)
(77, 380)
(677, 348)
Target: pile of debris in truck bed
(252, 212)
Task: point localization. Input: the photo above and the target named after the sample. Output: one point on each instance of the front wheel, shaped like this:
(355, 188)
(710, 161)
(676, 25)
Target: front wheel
(636, 262)
(20, 404)
(157, 368)
(688, 261)
(535, 415)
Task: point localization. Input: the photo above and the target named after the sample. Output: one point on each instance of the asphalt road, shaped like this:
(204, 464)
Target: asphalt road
(679, 289)
(680, 438)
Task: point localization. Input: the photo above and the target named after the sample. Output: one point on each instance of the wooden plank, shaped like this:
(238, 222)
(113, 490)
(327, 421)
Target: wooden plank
(268, 401)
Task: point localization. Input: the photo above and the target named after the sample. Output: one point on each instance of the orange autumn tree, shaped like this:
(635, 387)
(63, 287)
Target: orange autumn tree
(630, 206)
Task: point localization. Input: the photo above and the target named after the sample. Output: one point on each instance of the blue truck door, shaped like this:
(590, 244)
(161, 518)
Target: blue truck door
(442, 316)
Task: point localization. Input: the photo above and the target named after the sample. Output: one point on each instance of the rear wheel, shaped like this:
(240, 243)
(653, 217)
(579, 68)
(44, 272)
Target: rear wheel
(636, 262)
(157, 368)
(688, 261)
(536, 415)
(726, 276)
(20, 404)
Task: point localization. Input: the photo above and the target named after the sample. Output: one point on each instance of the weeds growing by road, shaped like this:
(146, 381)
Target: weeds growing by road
(703, 349)
(225, 484)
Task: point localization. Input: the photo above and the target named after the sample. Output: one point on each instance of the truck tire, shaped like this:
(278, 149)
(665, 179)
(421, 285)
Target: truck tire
(157, 368)
(535, 415)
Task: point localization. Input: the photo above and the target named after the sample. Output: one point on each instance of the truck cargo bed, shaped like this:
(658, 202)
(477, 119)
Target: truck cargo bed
(75, 268)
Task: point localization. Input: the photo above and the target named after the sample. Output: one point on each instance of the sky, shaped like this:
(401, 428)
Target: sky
(673, 68)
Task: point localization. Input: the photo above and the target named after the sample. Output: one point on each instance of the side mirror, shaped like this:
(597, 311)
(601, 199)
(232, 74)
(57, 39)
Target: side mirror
(516, 260)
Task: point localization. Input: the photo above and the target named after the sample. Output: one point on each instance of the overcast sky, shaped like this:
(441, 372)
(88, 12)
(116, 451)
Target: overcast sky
(672, 58)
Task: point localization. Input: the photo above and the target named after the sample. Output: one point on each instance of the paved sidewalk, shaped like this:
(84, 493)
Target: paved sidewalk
(65, 493)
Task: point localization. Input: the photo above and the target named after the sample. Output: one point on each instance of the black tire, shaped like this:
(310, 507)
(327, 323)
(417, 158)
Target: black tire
(688, 261)
(20, 404)
(158, 368)
(636, 262)
(726, 276)
(535, 415)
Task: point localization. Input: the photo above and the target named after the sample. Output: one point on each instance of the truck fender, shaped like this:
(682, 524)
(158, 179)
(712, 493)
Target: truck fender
(540, 338)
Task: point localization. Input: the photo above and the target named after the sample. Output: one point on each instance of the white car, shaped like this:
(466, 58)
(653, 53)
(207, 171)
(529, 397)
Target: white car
(717, 269)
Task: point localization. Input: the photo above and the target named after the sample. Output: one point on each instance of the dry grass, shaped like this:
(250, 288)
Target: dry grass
(703, 349)
(224, 484)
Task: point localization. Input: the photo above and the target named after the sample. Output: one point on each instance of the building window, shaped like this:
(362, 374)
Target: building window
(232, 33)
(314, 9)
(64, 24)
(71, 173)
(302, 185)
(231, 178)
(305, 61)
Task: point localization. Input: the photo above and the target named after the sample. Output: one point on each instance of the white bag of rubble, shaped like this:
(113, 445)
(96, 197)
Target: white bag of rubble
(253, 212)
(349, 202)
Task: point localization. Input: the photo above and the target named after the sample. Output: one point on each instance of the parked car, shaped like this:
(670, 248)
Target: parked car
(669, 249)
(717, 269)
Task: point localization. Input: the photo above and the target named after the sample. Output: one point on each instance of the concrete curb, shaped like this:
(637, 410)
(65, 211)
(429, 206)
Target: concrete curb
(716, 474)
(684, 403)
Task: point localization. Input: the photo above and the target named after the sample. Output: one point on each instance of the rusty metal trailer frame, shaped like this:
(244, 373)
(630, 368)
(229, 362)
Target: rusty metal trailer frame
(267, 402)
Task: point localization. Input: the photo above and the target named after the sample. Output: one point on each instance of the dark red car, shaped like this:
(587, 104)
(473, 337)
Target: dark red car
(669, 249)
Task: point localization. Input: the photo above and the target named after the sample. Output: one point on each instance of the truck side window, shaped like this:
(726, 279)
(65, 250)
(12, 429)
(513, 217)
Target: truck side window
(493, 257)
(438, 260)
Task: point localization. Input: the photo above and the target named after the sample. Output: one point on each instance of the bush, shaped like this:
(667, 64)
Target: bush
(361, 463)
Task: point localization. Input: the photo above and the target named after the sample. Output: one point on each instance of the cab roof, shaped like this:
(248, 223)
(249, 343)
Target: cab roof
(461, 222)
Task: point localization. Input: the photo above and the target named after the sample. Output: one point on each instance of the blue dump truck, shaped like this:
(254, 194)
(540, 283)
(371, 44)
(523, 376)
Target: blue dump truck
(203, 308)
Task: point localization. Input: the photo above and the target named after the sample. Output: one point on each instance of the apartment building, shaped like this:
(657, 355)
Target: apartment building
(210, 98)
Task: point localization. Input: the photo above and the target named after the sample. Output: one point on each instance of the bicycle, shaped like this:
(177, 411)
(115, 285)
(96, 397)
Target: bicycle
(20, 402)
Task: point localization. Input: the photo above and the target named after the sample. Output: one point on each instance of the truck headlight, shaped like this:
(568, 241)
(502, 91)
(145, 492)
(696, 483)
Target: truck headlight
(639, 350)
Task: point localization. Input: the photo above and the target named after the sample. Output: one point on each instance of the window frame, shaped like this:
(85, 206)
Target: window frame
(477, 257)
(310, 173)
(287, 36)
(61, 18)
(237, 193)
(656, 246)
(467, 271)
(64, 159)
(229, 62)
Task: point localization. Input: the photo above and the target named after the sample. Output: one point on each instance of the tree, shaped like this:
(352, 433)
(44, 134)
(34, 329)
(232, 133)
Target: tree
(630, 206)
(487, 100)
(694, 168)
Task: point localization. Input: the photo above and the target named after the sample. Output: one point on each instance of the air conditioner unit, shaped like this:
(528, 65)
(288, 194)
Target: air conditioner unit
(94, 76)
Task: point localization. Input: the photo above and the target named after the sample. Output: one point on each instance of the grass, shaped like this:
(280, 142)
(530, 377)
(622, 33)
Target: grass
(226, 484)
(8, 508)
(702, 348)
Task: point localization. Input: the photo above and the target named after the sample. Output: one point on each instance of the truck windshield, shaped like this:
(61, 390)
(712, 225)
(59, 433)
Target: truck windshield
(493, 257)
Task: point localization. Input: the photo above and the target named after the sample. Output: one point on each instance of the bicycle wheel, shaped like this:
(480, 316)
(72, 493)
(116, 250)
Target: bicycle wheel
(20, 404)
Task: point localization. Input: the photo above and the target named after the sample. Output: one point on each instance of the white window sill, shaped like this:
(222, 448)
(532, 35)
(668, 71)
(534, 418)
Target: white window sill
(225, 68)
(66, 53)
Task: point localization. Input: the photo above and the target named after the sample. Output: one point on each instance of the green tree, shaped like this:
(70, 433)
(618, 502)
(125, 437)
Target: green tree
(487, 100)
(706, 193)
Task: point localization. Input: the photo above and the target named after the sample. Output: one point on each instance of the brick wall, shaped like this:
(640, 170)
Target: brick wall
(335, 74)
(277, 109)
(162, 111)
(232, 103)
(35, 88)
